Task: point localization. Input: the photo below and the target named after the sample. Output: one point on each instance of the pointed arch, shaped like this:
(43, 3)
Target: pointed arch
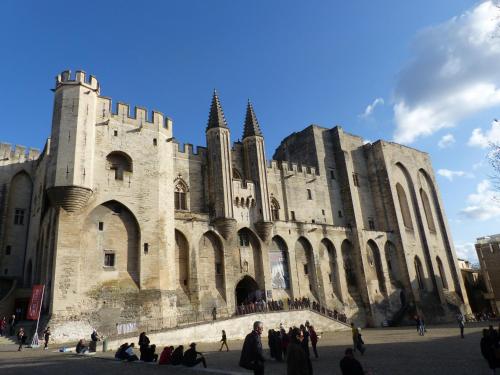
(181, 190)
(327, 249)
(212, 264)
(375, 262)
(306, 269)
(280, 267)
(110, 242)
(419, 273)
(236, 174)
(182, 264)
(251, 261)
(427, 211)
(442, 274)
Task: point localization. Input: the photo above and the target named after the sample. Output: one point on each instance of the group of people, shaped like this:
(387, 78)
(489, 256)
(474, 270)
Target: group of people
(8, 326)
(420, 323)
(260, 305)
(292, 345)
(169, 355)
(490, 347)
(82, 347)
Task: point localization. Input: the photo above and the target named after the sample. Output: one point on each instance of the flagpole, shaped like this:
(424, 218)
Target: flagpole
(34, 341)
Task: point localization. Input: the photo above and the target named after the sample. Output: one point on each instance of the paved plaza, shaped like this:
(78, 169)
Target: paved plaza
(390, 351)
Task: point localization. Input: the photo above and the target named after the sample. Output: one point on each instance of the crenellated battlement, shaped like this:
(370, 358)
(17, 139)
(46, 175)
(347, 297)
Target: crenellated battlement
(78, 78)
(141, 116)
(187, 151)
(292, 168)
(17, 154)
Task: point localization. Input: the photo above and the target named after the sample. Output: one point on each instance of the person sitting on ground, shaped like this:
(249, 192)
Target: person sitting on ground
(177, 355)
(81, 348)
(190, 357)
(166, 355)
(296, 361)
(120, 353)
(150, 355)
(350, 365)
(129, 353)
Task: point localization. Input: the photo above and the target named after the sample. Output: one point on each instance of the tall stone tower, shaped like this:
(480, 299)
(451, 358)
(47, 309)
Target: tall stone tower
(220, 170)
(72, 140)
(255, 170)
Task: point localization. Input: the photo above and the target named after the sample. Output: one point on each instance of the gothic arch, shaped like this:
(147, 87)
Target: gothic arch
(181, 190)
(404, 207)
(375, 264)
(427, 210)
(275, 209)
(182, 262)
(327, 250)
(236, 174)
(306, 269)
(442, 274)
(396, 264)
(251, 262)
(280, 266)
(212, 265)
(110, 244)
(419, 273)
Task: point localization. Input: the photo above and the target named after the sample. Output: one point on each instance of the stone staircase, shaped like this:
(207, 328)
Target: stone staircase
(8, 340)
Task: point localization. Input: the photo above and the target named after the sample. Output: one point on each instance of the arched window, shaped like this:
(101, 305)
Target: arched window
(236, 174)
(419, 273)
(405, 209)
(180, 195)
(275, 209)
(120, 163)
(427, 210)
(441, 273)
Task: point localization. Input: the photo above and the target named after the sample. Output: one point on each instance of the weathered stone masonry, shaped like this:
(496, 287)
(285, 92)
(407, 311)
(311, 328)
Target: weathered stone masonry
(122, 224)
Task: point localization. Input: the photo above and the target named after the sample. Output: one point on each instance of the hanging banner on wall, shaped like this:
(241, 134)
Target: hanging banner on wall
(35, 304)
(279, 270)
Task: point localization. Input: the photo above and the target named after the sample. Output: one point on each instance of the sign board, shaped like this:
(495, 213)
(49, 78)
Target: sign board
(35, 304)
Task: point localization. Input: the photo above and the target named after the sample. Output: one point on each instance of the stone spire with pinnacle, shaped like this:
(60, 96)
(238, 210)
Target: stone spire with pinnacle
(252, 127)
(216, 117)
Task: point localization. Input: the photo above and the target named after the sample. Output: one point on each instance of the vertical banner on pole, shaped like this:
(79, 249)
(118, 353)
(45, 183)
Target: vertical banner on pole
(35, 304)
(34, 309)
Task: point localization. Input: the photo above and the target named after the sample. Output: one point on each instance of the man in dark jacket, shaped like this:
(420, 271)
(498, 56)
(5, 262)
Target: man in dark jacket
(350, 365)
(191, 359)
(251, 353)
(297, 362)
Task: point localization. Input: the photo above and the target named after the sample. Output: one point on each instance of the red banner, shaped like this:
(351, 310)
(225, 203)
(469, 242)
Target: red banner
(35, 302)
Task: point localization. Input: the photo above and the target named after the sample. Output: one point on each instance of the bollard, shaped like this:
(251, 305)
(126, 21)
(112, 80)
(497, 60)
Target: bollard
(105, 345)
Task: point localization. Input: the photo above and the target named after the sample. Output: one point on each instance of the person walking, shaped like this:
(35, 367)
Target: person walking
(350, 365)
(21, 338)
(223, 340)
(314, 340)
(461, 324)
(251, 353)
(12, 325)
(297, 362)
(354, 332)
(46, 337)
(305, 346)
(3, 325)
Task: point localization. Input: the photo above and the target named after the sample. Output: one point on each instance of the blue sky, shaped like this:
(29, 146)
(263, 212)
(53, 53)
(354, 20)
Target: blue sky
(426, 68)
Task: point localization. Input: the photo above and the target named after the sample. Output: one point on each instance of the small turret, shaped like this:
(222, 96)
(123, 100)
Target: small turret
(220, 170)
(255, 170)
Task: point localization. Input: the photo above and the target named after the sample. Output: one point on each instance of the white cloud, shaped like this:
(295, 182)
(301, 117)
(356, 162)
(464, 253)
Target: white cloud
(483, 204)
(450, 175)
(371, 107)
(467, 251)
(453, 74)
(484, 140)
(446, 140)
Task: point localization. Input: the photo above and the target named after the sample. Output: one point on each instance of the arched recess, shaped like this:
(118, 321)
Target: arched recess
(110, 244)
(442, 228)
(29, 274)
(442, 274)
(328, 250)
(180, 194)
(306, 269)
(251, 256)
(420, 226)
(278, 260)
(427, 210)
(375, 265)
(20, 192)
(119, 163)
(211, 273)
(396, 265)
(275, 209)
(419, 273)
(182, 264)
(246, 290)
(404, 207)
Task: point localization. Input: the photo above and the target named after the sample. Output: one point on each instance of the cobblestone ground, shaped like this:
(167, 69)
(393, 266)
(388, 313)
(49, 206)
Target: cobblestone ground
(390, 351)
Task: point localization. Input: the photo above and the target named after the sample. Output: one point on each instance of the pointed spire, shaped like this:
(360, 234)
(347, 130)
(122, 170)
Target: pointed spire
(252, 127)
(216, 117)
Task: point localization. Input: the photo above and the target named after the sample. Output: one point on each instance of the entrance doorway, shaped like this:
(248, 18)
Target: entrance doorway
(246, 290)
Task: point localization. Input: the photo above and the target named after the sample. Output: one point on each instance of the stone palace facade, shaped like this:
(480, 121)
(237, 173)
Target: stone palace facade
(123, 225)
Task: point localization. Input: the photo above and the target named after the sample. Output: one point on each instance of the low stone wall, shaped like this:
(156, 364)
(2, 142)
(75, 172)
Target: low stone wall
(236, 328)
